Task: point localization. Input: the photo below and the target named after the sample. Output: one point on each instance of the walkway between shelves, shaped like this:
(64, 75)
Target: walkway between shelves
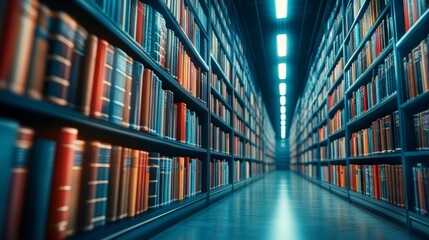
(283, 205)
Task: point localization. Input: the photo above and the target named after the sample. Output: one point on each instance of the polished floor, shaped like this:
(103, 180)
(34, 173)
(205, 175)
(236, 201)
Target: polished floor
(284, 206)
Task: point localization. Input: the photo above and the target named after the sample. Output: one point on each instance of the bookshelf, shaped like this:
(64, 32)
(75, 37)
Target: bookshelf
(372, 62)
(206, 112)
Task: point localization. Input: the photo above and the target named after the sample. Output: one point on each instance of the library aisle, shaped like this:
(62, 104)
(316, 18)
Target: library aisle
(283, 205)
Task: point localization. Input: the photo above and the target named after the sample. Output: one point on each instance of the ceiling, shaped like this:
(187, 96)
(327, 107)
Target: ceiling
(260, 28)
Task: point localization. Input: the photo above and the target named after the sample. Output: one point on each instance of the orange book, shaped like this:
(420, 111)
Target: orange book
(133, 183)
(127, 99)
(59, 204)
(139, 183)
(146, 103)
(146, 183)
(84, 102)
(99, 75)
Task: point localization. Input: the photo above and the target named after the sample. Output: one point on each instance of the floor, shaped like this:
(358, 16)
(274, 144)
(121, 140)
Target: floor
(283, 205)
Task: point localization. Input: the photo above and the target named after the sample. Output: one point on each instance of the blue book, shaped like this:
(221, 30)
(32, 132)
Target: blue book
(117, 90)
(154, 180)
(41, 166)
(107, 83)
(162, 181)
(8, 136)
(187, 125)
(132, 18)
(168, 176)
(100, 208)
(160, 105)
(136, 95)
(77, 75)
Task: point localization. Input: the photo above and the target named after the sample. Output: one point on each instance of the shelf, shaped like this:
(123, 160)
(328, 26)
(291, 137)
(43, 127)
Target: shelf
(324, 162)
(220, 122)
(417, 104)
(387, 106)
(172, 22)
(338, 160)
(409, 37)
(45, 112)
(145, 224)
(417, 154)
(131, 47)
(342, 192)
(382, 207)
(220, 154)
(419, 223)
(219, 192)
(364, 76)
(339, 133)
(376, 156)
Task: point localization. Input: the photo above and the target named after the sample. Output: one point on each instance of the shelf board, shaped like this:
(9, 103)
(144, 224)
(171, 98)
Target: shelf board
(417, 154)
(222, 190)
(338, 160)
(419, 222)
(324, 162)
(410, 35)
(377, 158)
(416, 104)
(367, 73)
(387, 106)
(220, 122)
(342, 192)
(220, 154)
(145, 224)
(339, 133)
(43, 111)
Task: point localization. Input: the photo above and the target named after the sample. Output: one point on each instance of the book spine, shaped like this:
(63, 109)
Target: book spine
(124, 183)
(114, 184)
(135, 157)
(154, 173)
(38, 54)
(38, 189)
(61, 183)
(128, 93)
(75, 186)
(18, 182)
(99, 75)
(78, 62)
(136, 95)
(115, 105)
(62, 32)
(146, 100)
(83, 102)
(102, 183)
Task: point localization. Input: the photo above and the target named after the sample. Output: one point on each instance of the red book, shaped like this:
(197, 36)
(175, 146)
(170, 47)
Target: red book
(146, 103)
(365, 100)
(135, 158)
(18, 182)
(375, 182)
(59, 203)
(99, 75)
(181, 122)
(140, 22)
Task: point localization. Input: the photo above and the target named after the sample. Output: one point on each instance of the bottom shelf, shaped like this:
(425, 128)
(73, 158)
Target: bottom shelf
(342, 192)
(419, 224)
(219, 193)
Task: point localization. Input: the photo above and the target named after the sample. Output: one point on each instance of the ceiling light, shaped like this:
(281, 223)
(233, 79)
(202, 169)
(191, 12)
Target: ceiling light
(281, 8)
(281, 45)
(282, 109)
(283, 123)
(283, 128)
(282, 71)
(283, 116)
(282, 88)
(282, 100)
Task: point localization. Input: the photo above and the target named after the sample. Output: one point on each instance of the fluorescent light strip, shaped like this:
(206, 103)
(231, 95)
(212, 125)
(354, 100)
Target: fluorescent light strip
(282, 109)
(282, 88)
(283, 100)
(283, 123)
(281, 8)
(283, 116)
(282, 71)
(281, 45)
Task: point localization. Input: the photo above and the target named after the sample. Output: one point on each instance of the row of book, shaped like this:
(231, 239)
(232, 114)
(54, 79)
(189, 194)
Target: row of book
(383, 182)
(220, 25)
(337, 148)
(73, 68)
(421, 188)
(219, 173)
(239, 147)
(241, 170)
(221, 110)
(335, 75)
(238, 125)
(370, 51)
(164, 47)
(338, 175)
(381, 86)
(219, 140)
(421, 130)
(220, 86)
(364, 25)
(416, 70)
(413, 10)
(187, 21)
(381, 137)
(221, 56)
(78, 184)
(337, 122)
(336, 95)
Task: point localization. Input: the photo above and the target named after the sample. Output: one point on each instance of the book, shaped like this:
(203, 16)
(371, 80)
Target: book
(72, 227)
(86, 83)
(38, 189)
(59, 203)
(116, 104)
(124, 183)
(135, 158)
(136, 95)
(94, 185)
(39, 51)
(154, 183)
(16, 45)
(99, 76)
(181, 122)
(18, 183)
(114, 183)
(62, 31)
(146, 100)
